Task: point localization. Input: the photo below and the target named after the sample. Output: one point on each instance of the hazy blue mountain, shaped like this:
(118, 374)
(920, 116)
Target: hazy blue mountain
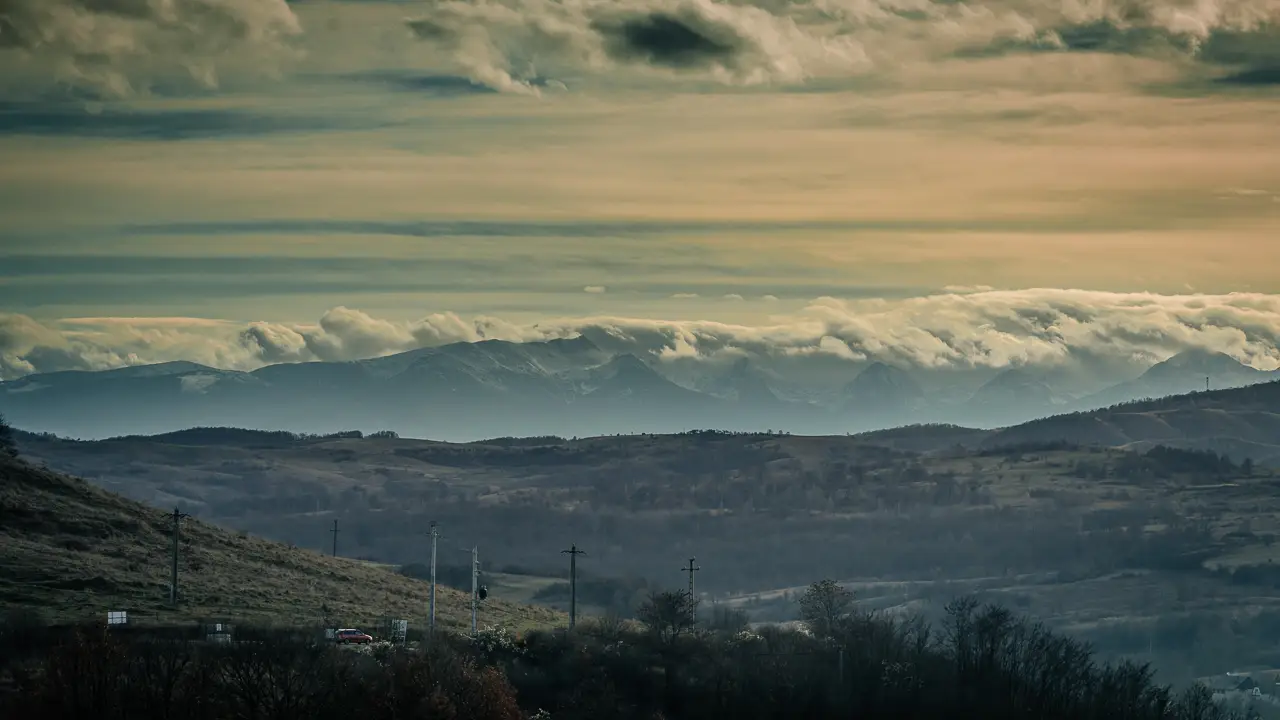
(1013, 396)
(468, 391)
(881, 395)
(1183, 373)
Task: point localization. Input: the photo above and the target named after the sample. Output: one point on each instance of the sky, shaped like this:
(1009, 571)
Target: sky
(933, 183)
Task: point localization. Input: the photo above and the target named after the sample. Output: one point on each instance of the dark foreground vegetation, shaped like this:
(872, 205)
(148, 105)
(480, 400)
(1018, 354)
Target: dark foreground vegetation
(980, 662)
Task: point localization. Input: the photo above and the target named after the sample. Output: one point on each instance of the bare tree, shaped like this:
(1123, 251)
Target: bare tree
(668, 614)
(825, 606)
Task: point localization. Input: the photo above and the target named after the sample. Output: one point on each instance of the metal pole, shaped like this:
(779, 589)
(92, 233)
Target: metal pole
(475, 580)
(692, 592)
(335, 537)
(435, 535)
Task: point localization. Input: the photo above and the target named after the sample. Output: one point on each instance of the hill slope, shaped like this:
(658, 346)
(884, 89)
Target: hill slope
(1241, 423)
(75, 551)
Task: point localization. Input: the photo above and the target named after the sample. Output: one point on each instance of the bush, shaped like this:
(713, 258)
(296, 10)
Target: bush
(981, 661)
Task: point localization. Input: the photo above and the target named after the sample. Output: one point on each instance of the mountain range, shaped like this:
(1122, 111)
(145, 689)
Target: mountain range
(568, 387)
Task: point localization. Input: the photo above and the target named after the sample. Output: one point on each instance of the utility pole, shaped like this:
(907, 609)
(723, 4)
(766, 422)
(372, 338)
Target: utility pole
(435, 536)
(177, 530)
(335, 537)
(475, 582)
(573, 552)
(692, 595)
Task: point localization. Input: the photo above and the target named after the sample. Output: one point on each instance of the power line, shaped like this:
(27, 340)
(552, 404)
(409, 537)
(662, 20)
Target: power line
(573, 552)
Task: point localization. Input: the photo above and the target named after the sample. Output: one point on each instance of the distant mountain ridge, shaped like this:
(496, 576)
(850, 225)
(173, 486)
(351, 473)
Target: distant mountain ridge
(572, 386)
(1186, 372)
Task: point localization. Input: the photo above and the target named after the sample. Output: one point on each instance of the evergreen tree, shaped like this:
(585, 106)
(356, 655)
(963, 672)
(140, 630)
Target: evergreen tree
(8, 446)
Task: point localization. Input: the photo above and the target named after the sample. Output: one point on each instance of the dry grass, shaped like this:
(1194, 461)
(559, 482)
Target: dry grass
(74, 552)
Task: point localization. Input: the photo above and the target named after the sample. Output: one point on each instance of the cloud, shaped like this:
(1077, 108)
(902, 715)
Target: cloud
(116, 48)
(1240, 34)
(508, 43)
(678, 41)
(982, 329)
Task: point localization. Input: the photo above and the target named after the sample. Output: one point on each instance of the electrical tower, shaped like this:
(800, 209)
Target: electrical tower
(693, 568)
(177, 539)
(335, 537)
(573, 552)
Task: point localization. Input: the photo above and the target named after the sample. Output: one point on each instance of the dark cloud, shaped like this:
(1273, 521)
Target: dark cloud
(1259, 76)
(427, 29)
(674, 41)
(80, 119)
(1248, 57)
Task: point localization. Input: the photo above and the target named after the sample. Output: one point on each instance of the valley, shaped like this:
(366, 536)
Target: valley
(1150, 520)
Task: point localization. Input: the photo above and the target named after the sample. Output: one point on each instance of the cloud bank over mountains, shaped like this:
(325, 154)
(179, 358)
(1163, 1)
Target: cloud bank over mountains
(982, 329)
(115, 48)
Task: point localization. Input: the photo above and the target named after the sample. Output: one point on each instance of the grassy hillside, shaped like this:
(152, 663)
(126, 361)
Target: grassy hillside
(1242, 423)
(73, 552)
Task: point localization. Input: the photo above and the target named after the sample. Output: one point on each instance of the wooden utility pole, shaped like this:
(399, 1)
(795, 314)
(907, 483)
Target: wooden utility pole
(573, 552)
(692, 594)
(177, 540)
(435, 536)
(475, 584)
(335, 537)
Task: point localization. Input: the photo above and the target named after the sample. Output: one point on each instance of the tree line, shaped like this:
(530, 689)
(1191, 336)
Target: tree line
(979, 661)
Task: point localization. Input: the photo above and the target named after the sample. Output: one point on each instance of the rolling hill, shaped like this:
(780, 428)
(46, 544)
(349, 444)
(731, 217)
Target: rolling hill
(73, 552)
(1079, 519)
(1241, 422)
(525, 498)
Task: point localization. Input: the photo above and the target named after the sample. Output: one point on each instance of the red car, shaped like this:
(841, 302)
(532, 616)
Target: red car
(349, 636)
